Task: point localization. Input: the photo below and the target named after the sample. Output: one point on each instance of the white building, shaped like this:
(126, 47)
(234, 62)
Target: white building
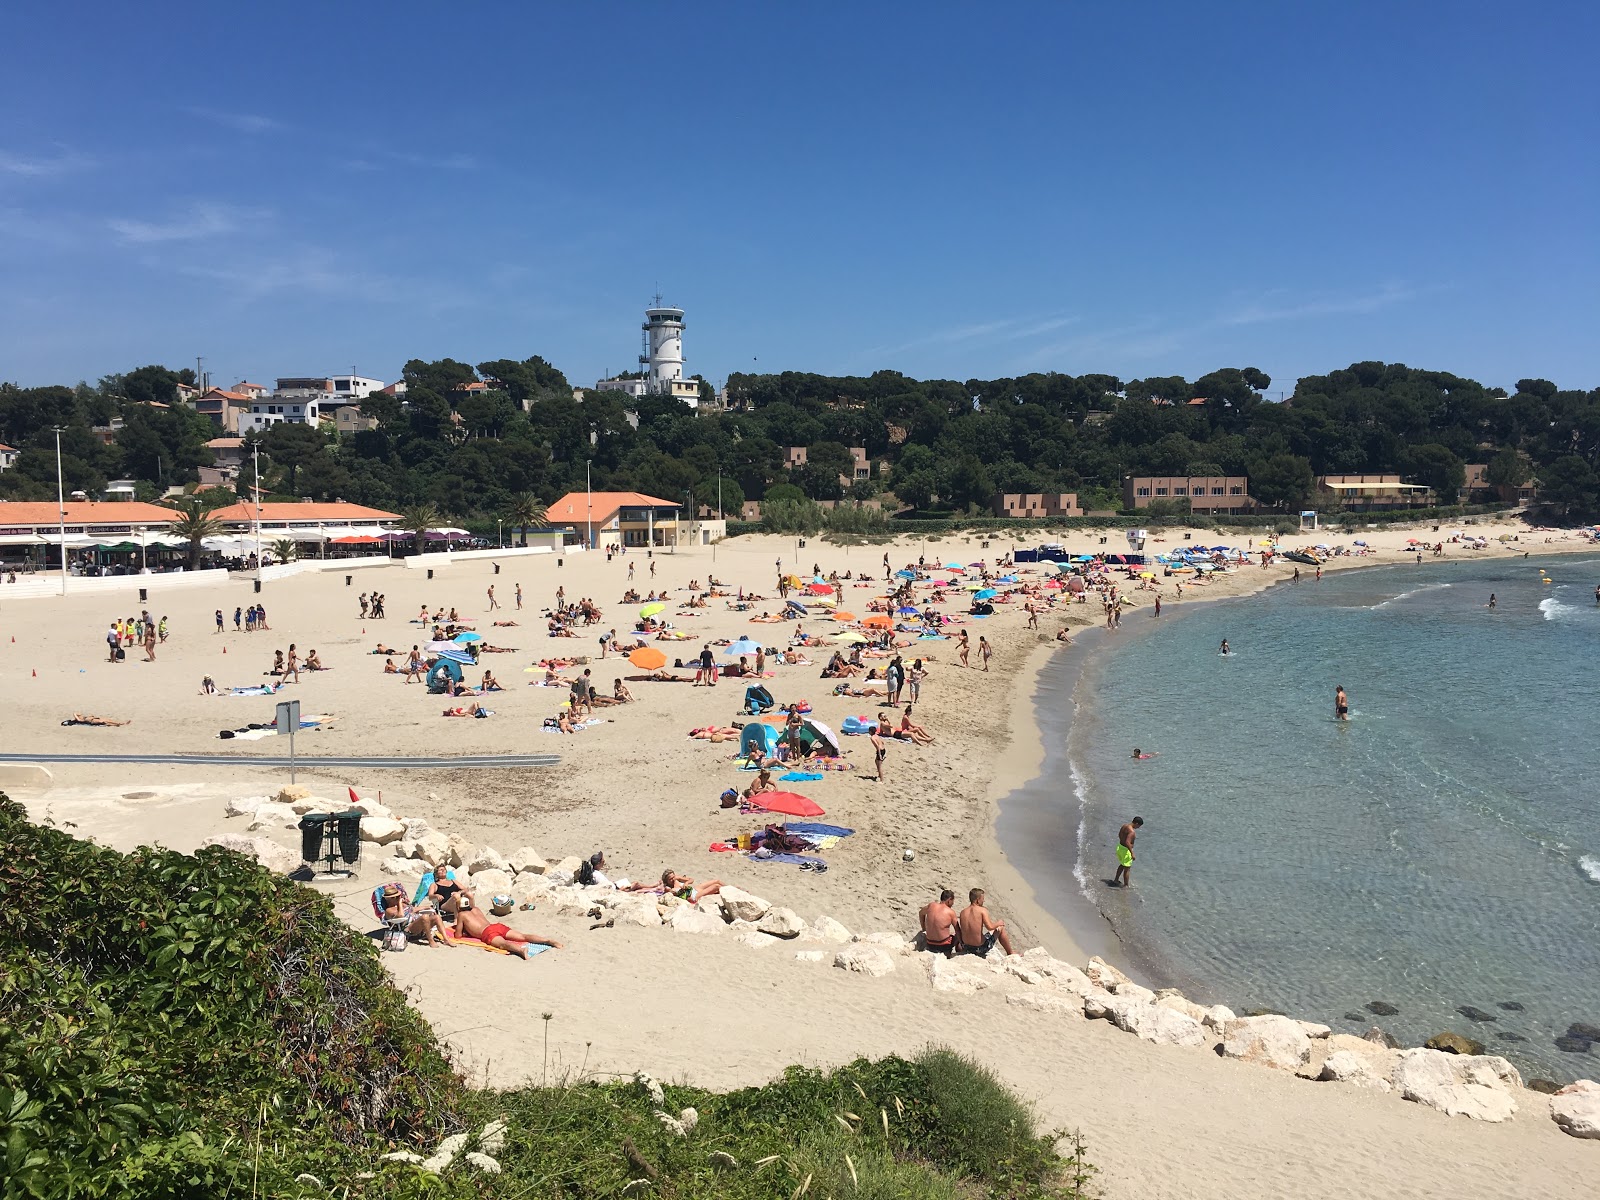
(273, 410)
(331, 389)
(662, 360)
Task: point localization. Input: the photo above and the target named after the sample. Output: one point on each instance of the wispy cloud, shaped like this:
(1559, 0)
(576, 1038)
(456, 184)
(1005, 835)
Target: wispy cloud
(1278, 306)
(237, 121)
(1009, 329)
(43, 166)
(203, 220)
(307, 270)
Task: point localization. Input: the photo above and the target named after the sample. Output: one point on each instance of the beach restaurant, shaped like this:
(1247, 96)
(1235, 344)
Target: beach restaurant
(615, 519)
(335, 529)
(32, 533)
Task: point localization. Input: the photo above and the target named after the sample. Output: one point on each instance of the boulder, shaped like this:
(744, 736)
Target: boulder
(461, 851)
(526, 859)
(370, 808)
(1133, 991)
(1346, 1066)
(1576, 1108)
(685, 918)
(289, 793)
(564, 902)
(528, 888)
(643, 913)
(490, 882)
(828, 930)
(1380, 1038)
(1382, 1008)
(864, 960)
(1476, 1014)
(566, 870)
(810, 955)
(1482, 1087)
(1548, 1086)
(963, 974)
(244, 806)
(1153, 1023)
(740, 905)
(1020, 968)
(381, 830)
(415, 826)
(270, 815)
(755, 939)
(1312, 1030)
(1064, 975)
(1217, 1018)
(1454, 1043)
(278, 859)
(1065, 1005)
(1096, 1003)
(712, 906)
(432, 848)
(405, 868)
(888, 939)
(1271, 1040)
(1103, 974)
(1171, 998)
(781, 922)
(302, 807)
(488, 859)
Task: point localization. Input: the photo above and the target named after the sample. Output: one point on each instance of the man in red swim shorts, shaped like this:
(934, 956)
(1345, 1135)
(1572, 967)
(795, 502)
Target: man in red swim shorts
(471, 922)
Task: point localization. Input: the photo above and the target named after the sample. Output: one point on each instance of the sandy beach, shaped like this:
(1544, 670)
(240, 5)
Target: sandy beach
(1159, 1120)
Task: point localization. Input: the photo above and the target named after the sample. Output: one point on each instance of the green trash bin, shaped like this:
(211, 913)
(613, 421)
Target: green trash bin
(312, 830)
(348, 829)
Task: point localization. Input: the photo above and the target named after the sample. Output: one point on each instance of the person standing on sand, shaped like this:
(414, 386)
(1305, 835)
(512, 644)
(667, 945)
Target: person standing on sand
(219, 621)
(963, 649)
(149, 643)
(114, 641)
(879, 751)
(291, 666)
(1341, 704)
(938, 921)
(519, 593)
(985, 651)
(493, 603)
(1158, 605)
(1125, 839)
(238, 615)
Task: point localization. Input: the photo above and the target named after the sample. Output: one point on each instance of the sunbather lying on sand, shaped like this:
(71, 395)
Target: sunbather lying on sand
(673, 884)
(473, 923)
(844, 689)
(660, 677)
(91, 719)
(714, 733)
(475, 710)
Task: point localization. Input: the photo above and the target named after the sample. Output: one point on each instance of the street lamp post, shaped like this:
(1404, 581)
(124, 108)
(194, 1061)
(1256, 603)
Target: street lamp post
(61, 511)
(256, 487)
(499, 532)
(588, 492)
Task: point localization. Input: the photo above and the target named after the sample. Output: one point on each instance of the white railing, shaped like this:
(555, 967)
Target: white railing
(445, 558)
(28, 587)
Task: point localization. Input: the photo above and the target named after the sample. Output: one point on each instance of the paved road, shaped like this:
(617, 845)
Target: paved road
(300, 760)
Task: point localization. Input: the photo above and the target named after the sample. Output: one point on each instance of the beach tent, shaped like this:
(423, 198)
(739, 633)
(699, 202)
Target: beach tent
(757, 699)
(758, 740)
(816, 732)
(648, 658)
(819, 589)
(437, 673)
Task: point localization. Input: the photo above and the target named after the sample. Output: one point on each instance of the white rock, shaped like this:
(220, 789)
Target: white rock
(1065, 1005)
(1363, 1070)
(289, 793)
(810, 955)
(1312, 1030)
(888, 940)
(381, 830)
(781, 922)
(643, 913)
(528, 888)
(490, 882)
(275, 858)
(566, 870)
(1480, 1086)
(688, 919)
(1153, 1023)
(712, 906)
(865, 960)
(526, 859)
(1576, 1108)
(270, 815)
(1063, 975)
(461, 851)
(1134, 991)
(415, 826)
(1097, 1003)
(244, 806)
(1021, 969)
(963, 974)
(483, 1162)
(827, 929)
(1103, 974)
(302, 807)
(1272, 1040)
(740, 905)
(432, 848)
(371, 808)
(568, 903)
(1175, 1001)
(755, 939)
(488, 859)
(1218, 1016)
(405, 868)
(492, 1137)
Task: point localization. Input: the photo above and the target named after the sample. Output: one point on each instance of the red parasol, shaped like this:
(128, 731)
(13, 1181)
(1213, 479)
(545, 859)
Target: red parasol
(791, 803)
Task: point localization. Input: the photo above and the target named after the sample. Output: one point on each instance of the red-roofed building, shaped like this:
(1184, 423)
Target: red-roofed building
(616, 519)
(25, 519)
(223, 407)
(289, 517)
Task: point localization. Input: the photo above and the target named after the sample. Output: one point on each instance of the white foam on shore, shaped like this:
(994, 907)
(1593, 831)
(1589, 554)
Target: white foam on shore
(1427, 587)
(1590, 866)
(1081, 792)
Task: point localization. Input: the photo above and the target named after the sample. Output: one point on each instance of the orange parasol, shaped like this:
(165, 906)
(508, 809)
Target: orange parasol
(648, 659)
(878, 621)
(844, 616)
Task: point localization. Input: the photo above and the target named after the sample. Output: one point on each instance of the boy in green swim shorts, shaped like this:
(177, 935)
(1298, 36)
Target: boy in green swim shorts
(1125, 840)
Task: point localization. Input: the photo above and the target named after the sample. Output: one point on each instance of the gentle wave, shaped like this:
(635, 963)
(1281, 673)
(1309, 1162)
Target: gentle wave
(1082, 795)
(1427, 587)
(1590, 866)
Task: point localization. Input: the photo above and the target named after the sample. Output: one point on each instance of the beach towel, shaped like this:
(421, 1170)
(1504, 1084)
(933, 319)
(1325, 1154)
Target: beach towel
(817, 829)
(800, 776)
(791, 859)
(258, 690)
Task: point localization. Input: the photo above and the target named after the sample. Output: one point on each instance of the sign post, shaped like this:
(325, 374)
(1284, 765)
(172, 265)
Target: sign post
(289, 722)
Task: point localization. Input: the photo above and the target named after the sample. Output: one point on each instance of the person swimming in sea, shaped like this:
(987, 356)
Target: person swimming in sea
(1138, 753)
(1225, 649)
(1491, 600)
(1341, 704)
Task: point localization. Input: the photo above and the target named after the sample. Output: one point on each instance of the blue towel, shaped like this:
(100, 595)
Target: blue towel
(793, 859)
(800, 776)
(816, 829)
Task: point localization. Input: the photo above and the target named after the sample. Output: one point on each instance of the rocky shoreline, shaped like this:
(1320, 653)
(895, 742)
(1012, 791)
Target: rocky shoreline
(1441, 1075)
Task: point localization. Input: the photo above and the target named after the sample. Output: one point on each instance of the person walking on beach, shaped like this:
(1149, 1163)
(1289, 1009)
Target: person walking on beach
(1125, 839)
(879, 750)
(985, 651)
(238, 615)
(219, 621)
(1341, 704)
(914, 679)
(291, 667)
(362, 600)
(630, 572)
(493, 603)
(1158, 605)
(519, 594)
(963, 649)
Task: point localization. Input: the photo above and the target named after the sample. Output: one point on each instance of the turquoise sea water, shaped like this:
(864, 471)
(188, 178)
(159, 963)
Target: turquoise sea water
(1439, 850)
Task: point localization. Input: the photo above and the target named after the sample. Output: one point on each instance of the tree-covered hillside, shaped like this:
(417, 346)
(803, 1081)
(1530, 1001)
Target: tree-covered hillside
(947, 443)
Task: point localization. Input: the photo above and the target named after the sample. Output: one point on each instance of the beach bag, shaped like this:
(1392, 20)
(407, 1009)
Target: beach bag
(121, 654)
(395, 940)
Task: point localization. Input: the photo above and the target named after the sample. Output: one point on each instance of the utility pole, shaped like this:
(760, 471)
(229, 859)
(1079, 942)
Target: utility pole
(61, 505)
(256, 485)
(588, 491)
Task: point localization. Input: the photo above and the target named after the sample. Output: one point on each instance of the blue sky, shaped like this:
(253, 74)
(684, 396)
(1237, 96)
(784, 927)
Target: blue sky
(946, 190)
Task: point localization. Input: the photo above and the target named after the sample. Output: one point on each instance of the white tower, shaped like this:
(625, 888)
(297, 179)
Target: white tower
(663, 338)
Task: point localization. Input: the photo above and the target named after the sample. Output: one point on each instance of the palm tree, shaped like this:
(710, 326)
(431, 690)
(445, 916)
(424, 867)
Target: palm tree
(194, 524)
(418, 519)
(285, 550)
(526, 509)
